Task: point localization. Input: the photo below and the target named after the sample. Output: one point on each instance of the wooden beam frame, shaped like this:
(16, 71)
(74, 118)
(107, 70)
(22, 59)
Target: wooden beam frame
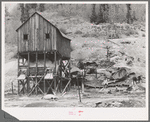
(55, 71)
(36, 87)
(36, 90)
(45, 70)
(28, 73)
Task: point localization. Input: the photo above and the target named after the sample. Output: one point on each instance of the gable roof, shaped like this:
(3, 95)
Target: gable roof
(45, 20)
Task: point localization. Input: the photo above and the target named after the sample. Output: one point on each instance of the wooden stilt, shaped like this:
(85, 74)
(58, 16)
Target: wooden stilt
(18, 73)
(44, 69)
(55, 71)
(36, 90)
(66, 86)
(60, 75)
(82, 83)
(28, 73)
(69, 73)
(78, 89)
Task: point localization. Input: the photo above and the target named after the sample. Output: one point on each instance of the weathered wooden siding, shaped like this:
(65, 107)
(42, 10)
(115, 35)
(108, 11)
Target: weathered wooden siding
(63, 45)
(36, 27)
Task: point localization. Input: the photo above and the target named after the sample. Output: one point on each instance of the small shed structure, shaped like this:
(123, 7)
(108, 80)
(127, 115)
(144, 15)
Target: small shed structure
(38, 39)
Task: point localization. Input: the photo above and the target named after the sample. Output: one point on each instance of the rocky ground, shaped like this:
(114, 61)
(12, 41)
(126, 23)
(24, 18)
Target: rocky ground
(90, 98)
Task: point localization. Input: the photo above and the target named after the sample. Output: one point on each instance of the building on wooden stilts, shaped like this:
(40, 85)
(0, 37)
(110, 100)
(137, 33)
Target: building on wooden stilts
(43, 57)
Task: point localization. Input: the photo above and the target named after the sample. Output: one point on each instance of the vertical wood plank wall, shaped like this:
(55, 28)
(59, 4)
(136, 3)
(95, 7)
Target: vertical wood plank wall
(36, 28)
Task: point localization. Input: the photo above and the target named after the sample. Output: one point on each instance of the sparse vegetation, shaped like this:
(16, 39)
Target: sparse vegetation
(85, 35)
(78, 32)
(129, 32)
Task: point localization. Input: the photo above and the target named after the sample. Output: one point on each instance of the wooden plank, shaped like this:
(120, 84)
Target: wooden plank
(49, 40)
(22, 30)
(41, 46)
(21, 77)
(48, 76)
(55, 70)
(30, 43)
(28, 85)
(18, 40)
(36, 90)
(60, 75)
(78, 89)
(18, 87)
(44, 69)
(18, 63)
(33, 34)
(47, 48)
(54, 38)
(45, 31)
(27, 32)
(36, 32)
(58, 42)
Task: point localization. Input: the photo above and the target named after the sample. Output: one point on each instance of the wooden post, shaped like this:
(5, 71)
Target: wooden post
(78, 89)
(69, 73)
(55, 71)
(60, 75)
(45, 70)
(82, 82)
(36, 69)
(18, 73)
(28, 73)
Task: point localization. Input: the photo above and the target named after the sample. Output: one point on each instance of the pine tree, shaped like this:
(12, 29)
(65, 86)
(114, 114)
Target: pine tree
(26, 11)
(105, 12)
(133, 16)
(42, 8)
(22, 12)
(6, 11)
(128, 16)
(93, 16)
(33, 6)
(100, 15)
(117, 12)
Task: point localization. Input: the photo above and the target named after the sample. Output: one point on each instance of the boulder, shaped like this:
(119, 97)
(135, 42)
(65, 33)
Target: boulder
(50, 97)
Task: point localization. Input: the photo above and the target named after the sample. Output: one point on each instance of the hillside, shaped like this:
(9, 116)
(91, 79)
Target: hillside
(88, 42)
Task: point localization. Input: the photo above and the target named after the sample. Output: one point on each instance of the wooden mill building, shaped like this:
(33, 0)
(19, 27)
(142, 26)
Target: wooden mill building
(38, 39)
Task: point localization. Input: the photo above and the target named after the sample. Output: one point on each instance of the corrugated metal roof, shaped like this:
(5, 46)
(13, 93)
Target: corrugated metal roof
(47, 21)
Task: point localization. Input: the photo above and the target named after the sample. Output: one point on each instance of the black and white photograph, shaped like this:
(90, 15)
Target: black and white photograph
(76, 57)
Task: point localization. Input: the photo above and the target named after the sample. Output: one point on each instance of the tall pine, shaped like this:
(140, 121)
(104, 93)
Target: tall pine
(105, 12)
(93, 16)
(100, 18)
(26, 11)
(33, 6)
(128, 16)
(42, 7)
(22, 19)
